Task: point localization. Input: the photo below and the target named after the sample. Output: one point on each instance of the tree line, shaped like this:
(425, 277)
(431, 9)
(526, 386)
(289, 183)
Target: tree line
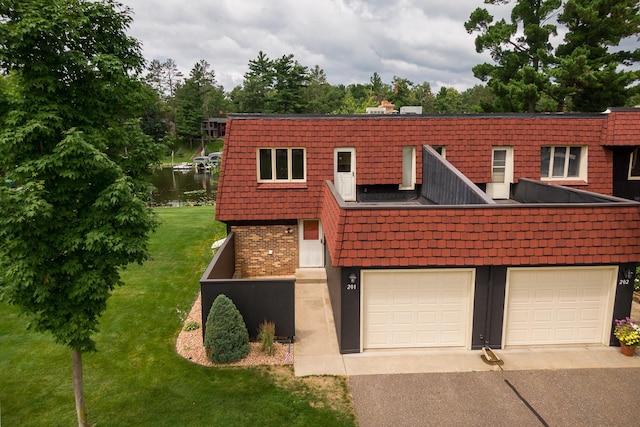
(179, 104)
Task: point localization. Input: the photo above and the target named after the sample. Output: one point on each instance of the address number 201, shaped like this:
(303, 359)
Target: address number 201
(352, 287)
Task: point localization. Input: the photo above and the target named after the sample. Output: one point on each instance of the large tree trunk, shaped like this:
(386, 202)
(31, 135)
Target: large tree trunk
(78, 387)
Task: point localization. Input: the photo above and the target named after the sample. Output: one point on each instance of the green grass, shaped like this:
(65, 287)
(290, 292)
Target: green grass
(136, 377)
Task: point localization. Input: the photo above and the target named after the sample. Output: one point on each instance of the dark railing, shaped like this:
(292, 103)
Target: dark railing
(257, 299)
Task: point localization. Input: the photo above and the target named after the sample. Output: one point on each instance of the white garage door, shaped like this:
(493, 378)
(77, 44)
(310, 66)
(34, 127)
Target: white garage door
(552, 306)
(417, 308)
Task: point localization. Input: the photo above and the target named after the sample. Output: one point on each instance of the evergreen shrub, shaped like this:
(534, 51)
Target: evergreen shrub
(226, 339)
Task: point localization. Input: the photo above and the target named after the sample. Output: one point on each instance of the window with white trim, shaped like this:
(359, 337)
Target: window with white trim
(281, 164)
(634, 164)
(408, 168)
(560, 162)
(440, 149)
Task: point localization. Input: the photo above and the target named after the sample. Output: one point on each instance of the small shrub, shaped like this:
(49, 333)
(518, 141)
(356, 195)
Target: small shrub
(191, 325)
(226, 338)
(266, 335)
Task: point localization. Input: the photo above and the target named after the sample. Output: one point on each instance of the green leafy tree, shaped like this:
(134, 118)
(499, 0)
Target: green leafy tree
(80, 165)
(257, 86)
(477, 99)
(379, 90)
(226, 339)
(197, 99)
(165, 78)
(448, 101)
(320, 97)
(424, 97)
(520, 49)
(189, 111)
(402, 93)
(153, 121)
(290, 80)
(592, 72)
(351, 105)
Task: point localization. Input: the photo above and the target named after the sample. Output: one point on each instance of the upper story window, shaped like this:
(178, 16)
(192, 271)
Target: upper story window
(634, 164)
(281, 164)
(563, 163)
(408, 168)
(440, 149)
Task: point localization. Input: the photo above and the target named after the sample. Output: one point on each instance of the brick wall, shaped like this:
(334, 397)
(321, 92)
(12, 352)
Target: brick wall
(252, 247)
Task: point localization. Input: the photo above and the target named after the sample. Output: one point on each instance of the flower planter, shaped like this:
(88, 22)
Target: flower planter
(627, 350)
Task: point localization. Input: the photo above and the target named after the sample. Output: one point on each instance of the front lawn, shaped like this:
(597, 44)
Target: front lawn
(136, 378)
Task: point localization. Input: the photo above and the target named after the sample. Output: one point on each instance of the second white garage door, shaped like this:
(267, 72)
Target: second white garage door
(552, 306)
(416, 308)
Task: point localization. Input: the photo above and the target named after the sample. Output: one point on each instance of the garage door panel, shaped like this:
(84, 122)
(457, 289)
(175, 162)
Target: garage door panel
(568, 296)
(541, 334)
(401, 339)
(451, 338)
(590, 314)
(568, 305)
(543, 295)
(452, 318)
(565, 335)
(377, 318)
(402, 298)
(587, 333)
(402, 318)
(541, 315)
(424, 308)
(567, 315)
(453, 298)
(427, 318)
(427, 298)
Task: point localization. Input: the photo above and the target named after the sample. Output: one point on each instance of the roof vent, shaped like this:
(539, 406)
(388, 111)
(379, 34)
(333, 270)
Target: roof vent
(411, 109)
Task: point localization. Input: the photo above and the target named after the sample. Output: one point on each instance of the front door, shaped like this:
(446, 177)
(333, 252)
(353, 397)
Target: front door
(501, 173)
(311, 247)
(345, 173)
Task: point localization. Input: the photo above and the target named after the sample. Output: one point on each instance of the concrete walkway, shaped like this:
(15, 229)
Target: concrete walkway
(317, 351)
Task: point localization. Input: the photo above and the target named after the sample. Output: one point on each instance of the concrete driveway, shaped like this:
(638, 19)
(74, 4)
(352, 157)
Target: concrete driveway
(565, 386)
(572, 397)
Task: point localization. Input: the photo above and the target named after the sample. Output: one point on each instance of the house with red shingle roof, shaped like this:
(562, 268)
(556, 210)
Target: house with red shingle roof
(443, 231)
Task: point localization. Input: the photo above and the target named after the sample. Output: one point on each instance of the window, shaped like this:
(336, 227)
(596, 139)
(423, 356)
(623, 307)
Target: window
(408, 168)
(281, 164)
(563, 163)
(440, 149)
(634, 164)
(499, 165)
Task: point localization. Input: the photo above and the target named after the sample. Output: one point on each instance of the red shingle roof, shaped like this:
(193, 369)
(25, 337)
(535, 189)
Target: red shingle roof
(379, 141)
(484, 235)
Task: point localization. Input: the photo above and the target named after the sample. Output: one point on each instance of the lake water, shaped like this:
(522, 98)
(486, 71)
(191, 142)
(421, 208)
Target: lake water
(180, 188)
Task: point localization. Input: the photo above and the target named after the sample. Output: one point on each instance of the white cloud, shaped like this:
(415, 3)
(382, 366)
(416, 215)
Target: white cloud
(423, 41)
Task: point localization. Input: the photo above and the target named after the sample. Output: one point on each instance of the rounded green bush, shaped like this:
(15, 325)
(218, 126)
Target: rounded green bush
(226, 339)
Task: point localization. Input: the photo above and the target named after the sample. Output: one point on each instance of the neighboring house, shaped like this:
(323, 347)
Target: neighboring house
(443, 231)
(214, 127)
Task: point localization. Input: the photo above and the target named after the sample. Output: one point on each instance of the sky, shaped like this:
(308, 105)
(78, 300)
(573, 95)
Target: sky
(420, 40)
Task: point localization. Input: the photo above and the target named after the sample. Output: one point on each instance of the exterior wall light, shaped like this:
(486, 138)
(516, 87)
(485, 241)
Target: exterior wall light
(628, 273)
(289, 230)
(353, 277)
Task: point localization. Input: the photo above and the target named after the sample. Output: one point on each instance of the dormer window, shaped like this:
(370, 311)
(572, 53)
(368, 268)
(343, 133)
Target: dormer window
(562, 163)
(281, 164)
